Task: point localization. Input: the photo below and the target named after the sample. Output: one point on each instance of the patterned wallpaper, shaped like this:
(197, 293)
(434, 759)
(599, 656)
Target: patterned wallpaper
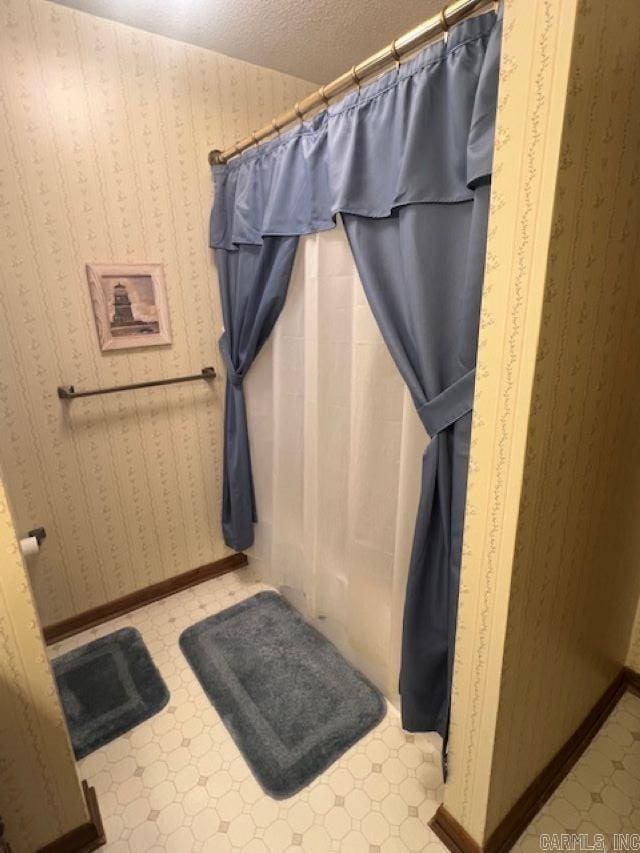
(633, 657)
(550, 580)
(576, 573)
(40, 796)
(104, 132)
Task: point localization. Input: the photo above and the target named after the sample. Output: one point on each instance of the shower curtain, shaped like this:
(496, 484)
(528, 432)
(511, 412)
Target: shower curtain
(406, 163)
(336, 447)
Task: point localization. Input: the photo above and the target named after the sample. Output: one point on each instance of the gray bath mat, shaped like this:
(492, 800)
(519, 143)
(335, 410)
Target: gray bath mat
(291, 702)
(107, 687)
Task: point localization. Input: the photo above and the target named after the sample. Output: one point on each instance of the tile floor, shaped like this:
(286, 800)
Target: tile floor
(602, 792)
(177, 783)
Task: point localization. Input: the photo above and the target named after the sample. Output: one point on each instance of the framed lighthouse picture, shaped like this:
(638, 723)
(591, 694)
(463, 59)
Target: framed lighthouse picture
(129, 304)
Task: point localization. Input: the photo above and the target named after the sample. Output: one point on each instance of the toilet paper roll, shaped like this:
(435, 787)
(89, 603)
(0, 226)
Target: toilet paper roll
(29, 546)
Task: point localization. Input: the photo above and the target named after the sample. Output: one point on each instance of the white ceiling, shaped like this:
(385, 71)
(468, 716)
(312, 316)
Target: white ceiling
(313, 39)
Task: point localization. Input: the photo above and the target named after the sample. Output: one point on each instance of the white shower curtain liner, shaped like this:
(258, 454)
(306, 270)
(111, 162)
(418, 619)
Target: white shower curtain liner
(337, 450)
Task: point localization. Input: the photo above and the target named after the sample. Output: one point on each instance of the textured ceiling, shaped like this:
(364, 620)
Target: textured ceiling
(313, 39)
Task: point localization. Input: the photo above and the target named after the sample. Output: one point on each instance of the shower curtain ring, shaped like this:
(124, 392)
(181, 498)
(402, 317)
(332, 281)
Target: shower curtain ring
(296, 110)
(276, 126)
(355, 78)
(321, 92)
(395, 54)
(255, 140)
(444, 24)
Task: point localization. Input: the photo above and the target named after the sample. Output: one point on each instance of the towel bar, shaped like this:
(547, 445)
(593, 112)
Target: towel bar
(68, 392)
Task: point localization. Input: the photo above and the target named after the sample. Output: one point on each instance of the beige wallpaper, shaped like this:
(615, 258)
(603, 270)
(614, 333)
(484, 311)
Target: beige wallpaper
(633, 656)
(575, 575)
(534, 69)
(40, 796)
(550, 579)
(104, 132)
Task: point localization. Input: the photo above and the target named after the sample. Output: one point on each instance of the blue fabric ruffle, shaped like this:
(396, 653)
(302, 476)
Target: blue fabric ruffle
(370, 152)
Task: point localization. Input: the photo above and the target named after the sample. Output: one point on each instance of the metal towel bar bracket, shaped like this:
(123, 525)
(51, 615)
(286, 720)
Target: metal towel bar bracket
(68, 392)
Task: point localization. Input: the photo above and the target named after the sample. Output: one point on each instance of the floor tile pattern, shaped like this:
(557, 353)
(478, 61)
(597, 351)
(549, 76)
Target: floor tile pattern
(177, 783)
(602, 792)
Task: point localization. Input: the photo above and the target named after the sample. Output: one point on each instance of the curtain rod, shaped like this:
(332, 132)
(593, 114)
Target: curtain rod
(399, 47)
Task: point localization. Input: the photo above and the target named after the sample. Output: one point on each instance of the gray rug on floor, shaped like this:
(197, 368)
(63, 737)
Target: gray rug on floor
(107, 687)
(290, 701)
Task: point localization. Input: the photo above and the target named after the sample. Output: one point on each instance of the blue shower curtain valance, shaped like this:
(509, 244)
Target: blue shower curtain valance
(406, 162)
(421, 134)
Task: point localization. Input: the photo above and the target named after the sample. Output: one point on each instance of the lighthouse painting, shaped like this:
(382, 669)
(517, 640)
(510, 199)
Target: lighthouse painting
(122, 313)
(129, 304)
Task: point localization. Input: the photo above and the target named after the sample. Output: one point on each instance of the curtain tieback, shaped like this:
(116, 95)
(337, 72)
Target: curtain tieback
(448, 406)
(233, 375)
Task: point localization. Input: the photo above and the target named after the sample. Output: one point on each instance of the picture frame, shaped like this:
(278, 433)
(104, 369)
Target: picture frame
(129, 305)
